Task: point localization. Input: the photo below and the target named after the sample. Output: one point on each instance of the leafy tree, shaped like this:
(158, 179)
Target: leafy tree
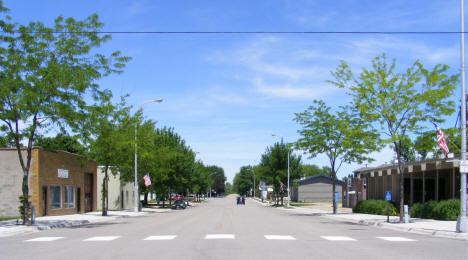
(312, 170)
(217, 174)
(61, 142)
(426, 142)
(45, 76)
(398, 102)
(274, 168)
(243, 181)
(340, 135)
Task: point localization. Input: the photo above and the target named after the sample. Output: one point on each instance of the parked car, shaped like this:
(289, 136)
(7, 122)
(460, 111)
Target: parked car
(176, 197)
(179, 204)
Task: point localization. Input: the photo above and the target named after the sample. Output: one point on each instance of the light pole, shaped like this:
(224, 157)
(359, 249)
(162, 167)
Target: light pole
(137, 195)
(254, 187)
(289, 195)
(462, 221)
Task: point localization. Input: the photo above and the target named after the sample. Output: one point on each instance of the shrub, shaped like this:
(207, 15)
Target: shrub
(428, 209)
(447, 210)
(416, 210)
(377, 207)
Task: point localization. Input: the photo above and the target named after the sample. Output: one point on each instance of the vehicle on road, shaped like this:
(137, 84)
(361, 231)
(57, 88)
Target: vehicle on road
(179, 204)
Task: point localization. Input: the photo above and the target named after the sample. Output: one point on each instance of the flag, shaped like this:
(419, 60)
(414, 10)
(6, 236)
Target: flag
(147, 180)
(441, 141)
(281, 186)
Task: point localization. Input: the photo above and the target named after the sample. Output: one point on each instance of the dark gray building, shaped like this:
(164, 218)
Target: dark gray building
(317, 188)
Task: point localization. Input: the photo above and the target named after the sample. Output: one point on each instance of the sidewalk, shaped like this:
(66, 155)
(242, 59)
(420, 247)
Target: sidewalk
(436, 228)
(10, 227)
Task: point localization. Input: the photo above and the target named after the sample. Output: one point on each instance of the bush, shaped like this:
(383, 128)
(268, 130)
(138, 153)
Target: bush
(447, 210)
(416, 211)
(377, 207)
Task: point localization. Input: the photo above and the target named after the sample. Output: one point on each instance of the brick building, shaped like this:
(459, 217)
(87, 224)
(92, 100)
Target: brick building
(60, 183)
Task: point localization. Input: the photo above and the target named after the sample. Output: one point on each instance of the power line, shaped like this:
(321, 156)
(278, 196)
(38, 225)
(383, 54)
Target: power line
(245, 32)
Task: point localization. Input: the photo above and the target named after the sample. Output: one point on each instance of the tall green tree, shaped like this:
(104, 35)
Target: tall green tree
(45, 77)
(312, 170)
(339, 135)
(243, 180)
(219, 179)
(62, 142)
(398, 102)
(274, 168)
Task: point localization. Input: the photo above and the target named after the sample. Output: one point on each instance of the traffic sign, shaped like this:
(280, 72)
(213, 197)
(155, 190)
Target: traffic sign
(336, 196)
(388, 195)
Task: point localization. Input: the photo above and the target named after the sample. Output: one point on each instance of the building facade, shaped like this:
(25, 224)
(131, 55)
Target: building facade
(317, 188)
(60, 183)
(435, 179)
(120, 194)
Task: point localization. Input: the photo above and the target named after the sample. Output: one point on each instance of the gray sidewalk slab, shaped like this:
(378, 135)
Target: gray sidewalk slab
(437, 228)
(10, 227)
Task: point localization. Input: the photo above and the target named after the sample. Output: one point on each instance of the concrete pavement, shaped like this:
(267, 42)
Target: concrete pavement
(437, 228)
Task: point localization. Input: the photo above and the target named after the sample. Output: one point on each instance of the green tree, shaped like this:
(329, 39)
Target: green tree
(312, 170)
(45, 76)
(339, 135)
(219, 179)
(243, 180)
(274, 168)
(426, 142)
(62, 142)
(398, 102)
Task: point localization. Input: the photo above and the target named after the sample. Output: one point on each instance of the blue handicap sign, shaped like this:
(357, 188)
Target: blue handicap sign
(388, 195)
(336, 196)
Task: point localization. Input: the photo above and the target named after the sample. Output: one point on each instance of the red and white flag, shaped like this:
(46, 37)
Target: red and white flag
(147, 180)
(441, 141)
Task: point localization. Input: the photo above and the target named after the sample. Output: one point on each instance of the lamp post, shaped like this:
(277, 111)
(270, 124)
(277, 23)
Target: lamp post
(289, 195)
(137, 195)
(462, 221)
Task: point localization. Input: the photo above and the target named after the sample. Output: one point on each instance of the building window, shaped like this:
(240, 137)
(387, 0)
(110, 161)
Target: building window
(55, 196)
(69, 197)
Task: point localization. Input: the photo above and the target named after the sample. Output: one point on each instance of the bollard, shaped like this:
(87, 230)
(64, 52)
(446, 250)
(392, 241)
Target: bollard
(406, 214)
(33, 215)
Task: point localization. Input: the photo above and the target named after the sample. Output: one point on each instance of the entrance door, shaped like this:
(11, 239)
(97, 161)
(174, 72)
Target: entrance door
(78, 200)
(88, 192)
(44, 201)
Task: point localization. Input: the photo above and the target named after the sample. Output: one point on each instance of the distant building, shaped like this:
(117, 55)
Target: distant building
(316, 188)
(354, 193)
(435, 179)
(120, 194)
(60, 183)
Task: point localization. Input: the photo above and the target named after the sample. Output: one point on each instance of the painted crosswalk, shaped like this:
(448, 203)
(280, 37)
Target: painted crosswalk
(223, 237)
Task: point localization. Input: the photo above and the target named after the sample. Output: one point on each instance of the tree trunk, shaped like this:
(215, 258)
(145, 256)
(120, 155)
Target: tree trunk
(333, 191)
(402, 192)
(145, 200)
(104, 192)
(25, 189)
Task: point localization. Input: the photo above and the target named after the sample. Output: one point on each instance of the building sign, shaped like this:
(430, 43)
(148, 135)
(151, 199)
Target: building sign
(62, 173)
(388, 195)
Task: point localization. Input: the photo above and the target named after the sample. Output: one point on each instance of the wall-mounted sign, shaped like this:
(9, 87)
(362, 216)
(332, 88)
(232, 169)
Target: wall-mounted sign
(62, 173)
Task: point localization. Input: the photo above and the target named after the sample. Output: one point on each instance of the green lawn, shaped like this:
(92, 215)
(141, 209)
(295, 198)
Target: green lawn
(301, 204)
(8, 218)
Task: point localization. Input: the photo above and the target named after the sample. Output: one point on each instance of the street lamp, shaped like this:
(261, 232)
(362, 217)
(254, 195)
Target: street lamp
(289, 195)
(136, 194)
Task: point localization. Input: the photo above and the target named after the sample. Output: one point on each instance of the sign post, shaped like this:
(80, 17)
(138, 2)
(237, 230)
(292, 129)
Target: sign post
(388, 198)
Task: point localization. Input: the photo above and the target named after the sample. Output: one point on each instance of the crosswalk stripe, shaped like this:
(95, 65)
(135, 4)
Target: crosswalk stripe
(278, 237)
(219, 236)
(166, 237)
(43, 239)
(396, 239)
(338, 238)
(103, 238)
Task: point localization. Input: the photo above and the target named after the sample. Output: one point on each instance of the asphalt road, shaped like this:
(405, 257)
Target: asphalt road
(220, 229)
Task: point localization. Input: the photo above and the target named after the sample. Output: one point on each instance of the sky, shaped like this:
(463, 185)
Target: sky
(225, 94)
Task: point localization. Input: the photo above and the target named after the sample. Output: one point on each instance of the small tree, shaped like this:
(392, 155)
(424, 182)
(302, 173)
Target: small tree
(44, 78)
(397, 102)
(341, 136)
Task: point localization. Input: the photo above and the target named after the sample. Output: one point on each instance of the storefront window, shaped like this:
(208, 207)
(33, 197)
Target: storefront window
(55, 197)
(69, 197)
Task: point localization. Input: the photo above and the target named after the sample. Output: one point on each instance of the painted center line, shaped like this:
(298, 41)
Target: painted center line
(43, 239)
(167, 237)
(220, 236)
(396, 239)
(105, 238)
(277, 237)
(338, 238)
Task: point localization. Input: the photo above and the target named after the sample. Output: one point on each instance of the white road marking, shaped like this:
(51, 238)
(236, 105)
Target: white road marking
(105, 238)
(277, 237)
(338, 238)
(167, 237)
(219, 236)
(396, 239)
(43, 239)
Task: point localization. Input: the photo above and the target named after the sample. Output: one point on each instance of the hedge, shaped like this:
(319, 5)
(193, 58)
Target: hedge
(443, 210)
(377, 207)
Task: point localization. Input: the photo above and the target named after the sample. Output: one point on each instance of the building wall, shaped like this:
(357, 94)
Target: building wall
(120, 195)
(128, 190)
(78, 167)
(317, 192)
(11, 181)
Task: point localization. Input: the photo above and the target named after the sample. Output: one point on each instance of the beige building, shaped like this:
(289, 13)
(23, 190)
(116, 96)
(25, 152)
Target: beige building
(60, 182)
(317, 188)
(120, 194)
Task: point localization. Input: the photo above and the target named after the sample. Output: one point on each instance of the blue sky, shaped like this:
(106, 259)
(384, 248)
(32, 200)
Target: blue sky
(226, 94)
